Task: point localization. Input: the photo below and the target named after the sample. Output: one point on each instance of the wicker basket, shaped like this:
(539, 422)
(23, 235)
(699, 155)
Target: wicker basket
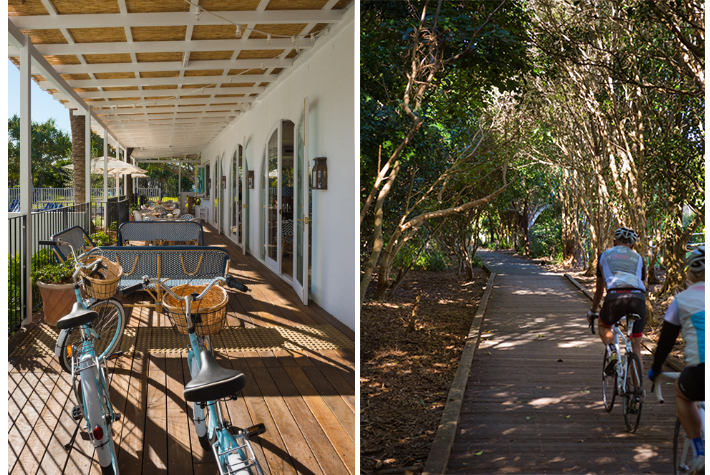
(103, 287)
(212, 309)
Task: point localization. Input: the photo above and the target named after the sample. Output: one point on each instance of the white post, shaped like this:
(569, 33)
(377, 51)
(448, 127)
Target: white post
(179, 184)
(26, 166)
(105, 180)
(118, 177)
(87, 159)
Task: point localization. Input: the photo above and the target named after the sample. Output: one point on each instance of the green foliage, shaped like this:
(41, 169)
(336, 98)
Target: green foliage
(431, 258)
(546, 235)
(101, 239)
(49, 271)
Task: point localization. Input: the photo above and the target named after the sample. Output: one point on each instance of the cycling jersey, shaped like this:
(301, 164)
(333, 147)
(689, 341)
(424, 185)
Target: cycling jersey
(688, 312)
(622, 268)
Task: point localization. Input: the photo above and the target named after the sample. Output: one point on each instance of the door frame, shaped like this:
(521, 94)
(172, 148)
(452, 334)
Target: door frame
(302, 238)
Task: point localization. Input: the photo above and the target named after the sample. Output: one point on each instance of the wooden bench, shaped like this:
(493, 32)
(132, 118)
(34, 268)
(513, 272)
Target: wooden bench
(168, 233)
(175, 265)
(77, 237)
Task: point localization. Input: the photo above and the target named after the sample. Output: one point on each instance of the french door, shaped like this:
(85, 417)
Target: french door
(240, 200)
(302, 208)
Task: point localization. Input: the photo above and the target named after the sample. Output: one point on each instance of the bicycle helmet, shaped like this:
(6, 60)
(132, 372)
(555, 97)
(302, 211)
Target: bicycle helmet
(696, 260)
(626, 235)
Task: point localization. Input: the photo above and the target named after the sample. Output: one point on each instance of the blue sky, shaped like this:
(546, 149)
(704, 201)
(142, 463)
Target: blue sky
(43, 106)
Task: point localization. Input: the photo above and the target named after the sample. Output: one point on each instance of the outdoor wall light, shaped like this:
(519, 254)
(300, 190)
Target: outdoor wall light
(319, 175)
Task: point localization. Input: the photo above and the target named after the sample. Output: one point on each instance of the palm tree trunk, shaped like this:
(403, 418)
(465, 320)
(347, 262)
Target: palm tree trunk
(78, 155)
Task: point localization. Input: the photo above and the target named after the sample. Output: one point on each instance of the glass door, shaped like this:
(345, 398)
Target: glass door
(216, 194)
(272, 200)
(245, 204)
(301, 283)
(286, 199)
(236, 202)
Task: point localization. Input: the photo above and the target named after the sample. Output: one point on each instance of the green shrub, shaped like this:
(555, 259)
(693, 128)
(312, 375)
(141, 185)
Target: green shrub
(49, 271)
(433, 260)
(101, 238)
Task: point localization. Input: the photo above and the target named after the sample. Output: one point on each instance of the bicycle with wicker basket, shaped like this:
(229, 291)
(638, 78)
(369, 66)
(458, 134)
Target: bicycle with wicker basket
(199, 311)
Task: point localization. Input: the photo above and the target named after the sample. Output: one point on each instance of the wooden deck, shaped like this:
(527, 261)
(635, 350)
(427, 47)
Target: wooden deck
(305, 397)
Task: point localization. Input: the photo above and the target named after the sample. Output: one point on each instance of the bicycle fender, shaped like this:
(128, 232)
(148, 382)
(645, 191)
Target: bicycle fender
(197, 411)
(60, 343)
(93, 411)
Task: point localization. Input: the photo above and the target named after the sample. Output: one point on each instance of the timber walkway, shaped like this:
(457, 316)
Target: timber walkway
(298, 361)
(533, 400)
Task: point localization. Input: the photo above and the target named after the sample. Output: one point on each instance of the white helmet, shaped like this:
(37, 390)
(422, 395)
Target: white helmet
(696, 260)
(626, 235)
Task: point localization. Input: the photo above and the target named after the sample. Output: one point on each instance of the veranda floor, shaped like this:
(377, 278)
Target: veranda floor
(302, 389)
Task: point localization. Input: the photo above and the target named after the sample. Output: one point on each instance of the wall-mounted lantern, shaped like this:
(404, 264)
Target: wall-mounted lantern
(319, 175)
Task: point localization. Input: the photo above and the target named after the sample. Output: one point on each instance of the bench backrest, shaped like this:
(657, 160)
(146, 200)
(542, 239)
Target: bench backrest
(175, 262)
(75, 236)
(160, 230)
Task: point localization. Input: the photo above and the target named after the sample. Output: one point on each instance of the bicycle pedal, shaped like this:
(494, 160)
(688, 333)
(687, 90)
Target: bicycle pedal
(255, 430)
(115, 354)
(116, 417)
(77, 413)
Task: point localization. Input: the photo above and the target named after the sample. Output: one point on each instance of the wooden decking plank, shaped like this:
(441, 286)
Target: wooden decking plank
(35, 447)
(332, 359)
(179, 450)
(331, 446)
(278, 459)
(297, 447)
(130, 455)
(155, 448)
(335, 401)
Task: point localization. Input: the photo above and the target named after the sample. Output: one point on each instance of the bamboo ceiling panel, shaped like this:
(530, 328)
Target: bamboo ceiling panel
(120, 55)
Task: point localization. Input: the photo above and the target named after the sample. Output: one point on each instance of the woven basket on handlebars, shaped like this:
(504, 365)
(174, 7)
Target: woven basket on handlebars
(212, 309)
(104, 286)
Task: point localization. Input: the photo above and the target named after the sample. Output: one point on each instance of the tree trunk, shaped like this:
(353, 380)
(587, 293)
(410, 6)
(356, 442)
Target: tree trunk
(78, 146)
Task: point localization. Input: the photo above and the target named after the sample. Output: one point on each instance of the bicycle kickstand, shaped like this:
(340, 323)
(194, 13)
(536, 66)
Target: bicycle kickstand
(76, 415)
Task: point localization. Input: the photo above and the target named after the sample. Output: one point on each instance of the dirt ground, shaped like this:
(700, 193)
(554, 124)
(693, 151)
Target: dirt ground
(405, 376)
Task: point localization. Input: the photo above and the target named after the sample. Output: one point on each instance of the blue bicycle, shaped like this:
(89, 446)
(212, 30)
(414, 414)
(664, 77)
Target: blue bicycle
(81, 356)
(210, 382)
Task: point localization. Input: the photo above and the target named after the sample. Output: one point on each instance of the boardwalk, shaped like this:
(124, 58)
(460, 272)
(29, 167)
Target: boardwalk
(300, 385)
(533, 401)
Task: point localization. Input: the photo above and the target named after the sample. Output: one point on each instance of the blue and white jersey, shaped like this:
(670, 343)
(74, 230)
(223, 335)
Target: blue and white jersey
(622, 268)
(688, 312)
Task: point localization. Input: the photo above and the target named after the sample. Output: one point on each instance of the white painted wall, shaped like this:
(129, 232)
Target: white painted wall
(324, 75)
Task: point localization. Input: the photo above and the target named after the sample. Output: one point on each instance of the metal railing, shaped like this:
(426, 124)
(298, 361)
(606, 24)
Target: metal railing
(17, 275)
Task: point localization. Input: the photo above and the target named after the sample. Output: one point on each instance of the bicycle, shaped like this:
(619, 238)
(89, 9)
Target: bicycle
(625, 379)
(682, 452)
(211, 383)
(109, 326)
(89, 373)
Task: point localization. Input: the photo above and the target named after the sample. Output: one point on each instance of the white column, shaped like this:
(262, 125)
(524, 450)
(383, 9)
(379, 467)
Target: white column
(26, 166)
(118, 177)
(87, 156)
(105, 180)
(179, 182)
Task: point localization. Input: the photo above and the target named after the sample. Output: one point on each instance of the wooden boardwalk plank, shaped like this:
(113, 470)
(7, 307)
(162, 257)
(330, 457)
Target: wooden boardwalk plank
(179, 450)
(155, 448)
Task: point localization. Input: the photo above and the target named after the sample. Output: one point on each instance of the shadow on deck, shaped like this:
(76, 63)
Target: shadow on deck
(299, 364)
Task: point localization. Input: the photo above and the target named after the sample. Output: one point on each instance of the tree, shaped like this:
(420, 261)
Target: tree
(49, 146)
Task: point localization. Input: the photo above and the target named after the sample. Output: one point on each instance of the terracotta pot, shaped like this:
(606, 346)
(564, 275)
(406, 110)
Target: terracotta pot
(57, 300)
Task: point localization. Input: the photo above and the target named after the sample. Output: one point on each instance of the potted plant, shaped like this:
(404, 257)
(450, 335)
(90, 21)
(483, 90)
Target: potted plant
(131, 209)
(55, 286)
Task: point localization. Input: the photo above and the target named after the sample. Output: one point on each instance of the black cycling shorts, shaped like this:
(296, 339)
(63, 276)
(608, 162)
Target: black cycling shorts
(616, 305)
(692, 382)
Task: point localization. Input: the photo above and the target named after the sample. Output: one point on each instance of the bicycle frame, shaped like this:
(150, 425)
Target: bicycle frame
(621, 363)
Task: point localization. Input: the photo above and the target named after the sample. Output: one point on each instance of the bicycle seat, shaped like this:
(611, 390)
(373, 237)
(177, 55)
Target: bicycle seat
(77, 317)
(632, 317)
(213, 382)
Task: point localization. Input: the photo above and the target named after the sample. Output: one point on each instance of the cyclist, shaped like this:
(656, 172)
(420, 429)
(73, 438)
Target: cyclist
(687, 314)
(623, 272)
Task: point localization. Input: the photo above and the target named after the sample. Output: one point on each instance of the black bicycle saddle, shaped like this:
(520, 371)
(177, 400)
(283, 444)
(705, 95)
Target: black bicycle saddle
(77, 317)
(213, 382)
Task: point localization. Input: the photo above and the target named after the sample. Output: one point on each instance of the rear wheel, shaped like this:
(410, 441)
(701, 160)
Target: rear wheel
(110, 327)
(633, 397)
(608, 384)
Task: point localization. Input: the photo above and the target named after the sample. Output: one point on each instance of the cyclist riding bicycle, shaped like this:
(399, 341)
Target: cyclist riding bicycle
(687, 314)
(622, 271)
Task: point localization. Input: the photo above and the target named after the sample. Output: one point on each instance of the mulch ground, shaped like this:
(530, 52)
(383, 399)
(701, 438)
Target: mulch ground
(405, 375)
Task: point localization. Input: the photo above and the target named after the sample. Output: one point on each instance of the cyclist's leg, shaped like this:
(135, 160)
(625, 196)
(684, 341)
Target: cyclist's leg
(638, 306)
(690, 387)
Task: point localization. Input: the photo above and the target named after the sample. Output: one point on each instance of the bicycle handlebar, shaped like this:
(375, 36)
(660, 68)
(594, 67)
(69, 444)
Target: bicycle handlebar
(657, 385)
(229, 280)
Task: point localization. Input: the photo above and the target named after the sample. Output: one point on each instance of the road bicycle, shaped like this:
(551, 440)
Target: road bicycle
(211, 382)
(109, 325)
(625, 379)
(89, 370)
(682, 451)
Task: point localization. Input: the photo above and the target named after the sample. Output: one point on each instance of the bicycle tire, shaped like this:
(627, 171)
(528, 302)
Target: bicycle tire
(633, 391)
(207, 440)
(608, 384)
(682, 453)
(96, 411)
(110, 327)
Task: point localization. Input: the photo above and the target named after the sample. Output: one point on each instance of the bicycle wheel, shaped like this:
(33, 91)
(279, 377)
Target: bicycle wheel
(633, 401)
(608, 384)
(682, 452)
(110, 327)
